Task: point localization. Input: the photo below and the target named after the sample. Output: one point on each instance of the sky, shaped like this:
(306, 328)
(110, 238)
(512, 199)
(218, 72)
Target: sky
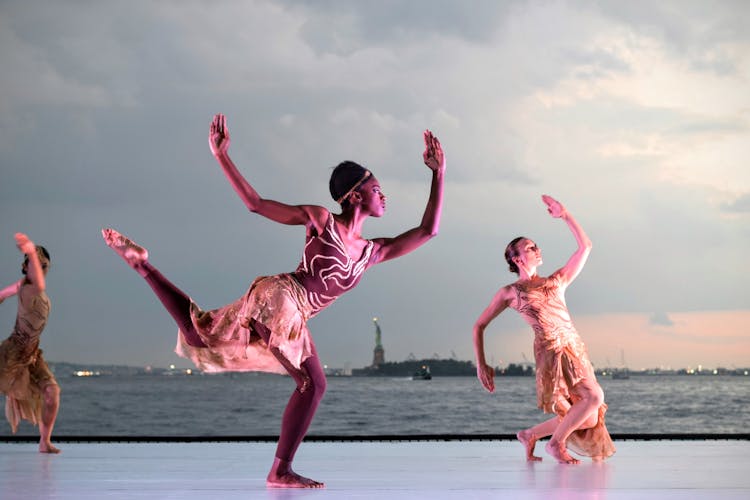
(635, 115)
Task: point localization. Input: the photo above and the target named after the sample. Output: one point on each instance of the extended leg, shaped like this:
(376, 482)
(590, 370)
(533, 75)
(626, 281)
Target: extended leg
(174, 300)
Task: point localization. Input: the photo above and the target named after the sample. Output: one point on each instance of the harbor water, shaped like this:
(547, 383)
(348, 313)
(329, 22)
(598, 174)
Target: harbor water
(252, 404)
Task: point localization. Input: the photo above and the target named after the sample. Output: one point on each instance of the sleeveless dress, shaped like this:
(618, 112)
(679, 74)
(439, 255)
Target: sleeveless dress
(23, 372)
(561, 361)
(282, 303)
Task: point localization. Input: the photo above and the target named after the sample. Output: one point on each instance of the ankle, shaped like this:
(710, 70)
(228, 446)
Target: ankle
(143, 268)
(281, 466)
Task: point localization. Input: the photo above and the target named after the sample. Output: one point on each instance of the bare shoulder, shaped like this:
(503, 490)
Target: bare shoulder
(507, 292)
(505, 295)
(317, 215)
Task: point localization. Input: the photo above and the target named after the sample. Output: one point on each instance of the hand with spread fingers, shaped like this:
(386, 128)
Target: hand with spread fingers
(433, 154)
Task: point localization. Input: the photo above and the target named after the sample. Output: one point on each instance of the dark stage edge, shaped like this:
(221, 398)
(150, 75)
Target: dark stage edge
(363, 438)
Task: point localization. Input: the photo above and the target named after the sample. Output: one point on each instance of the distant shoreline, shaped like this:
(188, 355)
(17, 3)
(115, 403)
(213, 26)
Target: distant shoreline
(438, 367)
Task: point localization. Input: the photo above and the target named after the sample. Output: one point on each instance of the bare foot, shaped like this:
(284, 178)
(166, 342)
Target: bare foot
(558, 451)
(131, 253)
(528, 440)
(48, 448)
(291, 480)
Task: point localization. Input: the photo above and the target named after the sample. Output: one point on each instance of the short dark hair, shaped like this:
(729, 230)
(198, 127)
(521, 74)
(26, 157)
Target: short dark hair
(344, 177)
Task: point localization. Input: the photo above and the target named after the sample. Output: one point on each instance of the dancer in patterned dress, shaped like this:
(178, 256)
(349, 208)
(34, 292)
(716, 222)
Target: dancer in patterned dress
(565, 381)
(31, 391)
(266, 328)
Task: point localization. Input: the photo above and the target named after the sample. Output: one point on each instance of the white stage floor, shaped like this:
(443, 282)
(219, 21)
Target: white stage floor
(362, 470)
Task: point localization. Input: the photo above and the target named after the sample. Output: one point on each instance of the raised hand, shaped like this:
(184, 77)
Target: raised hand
(433, 154)
(554, 207)
(24, 244)
(218, 135)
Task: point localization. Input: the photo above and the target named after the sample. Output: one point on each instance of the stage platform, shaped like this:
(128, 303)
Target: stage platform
(454, 469)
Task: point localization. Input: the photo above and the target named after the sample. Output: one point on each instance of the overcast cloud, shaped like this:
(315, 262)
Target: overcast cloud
(635, 115)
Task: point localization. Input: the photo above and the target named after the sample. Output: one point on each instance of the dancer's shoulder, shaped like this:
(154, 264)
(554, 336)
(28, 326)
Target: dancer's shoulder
(318, 217)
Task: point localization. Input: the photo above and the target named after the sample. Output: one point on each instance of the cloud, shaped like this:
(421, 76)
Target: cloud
(661, 319)
(342, 28)
(740, 205)
(614, 108)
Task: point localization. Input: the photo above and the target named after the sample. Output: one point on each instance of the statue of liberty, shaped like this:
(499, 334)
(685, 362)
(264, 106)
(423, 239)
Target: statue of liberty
(378, 354)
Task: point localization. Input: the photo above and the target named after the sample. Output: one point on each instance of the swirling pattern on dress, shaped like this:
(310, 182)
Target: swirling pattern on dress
(282, 303)
(327, 270)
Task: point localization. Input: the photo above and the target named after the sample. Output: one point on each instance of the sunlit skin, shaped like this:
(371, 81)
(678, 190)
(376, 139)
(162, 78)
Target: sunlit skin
(582, 414)
(35, 278)
(365, 201)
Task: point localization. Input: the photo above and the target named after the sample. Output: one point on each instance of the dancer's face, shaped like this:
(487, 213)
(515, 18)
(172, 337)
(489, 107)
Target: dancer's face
(529, 255)
(372, 198)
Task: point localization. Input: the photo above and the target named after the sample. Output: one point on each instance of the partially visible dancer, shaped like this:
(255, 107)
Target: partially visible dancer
(266, 329)
(565, 381)
(31, 391)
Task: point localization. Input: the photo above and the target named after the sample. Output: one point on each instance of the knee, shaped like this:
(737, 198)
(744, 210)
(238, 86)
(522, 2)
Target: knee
(319, 386)
(316, 387)
(596, 396)
(590, 422)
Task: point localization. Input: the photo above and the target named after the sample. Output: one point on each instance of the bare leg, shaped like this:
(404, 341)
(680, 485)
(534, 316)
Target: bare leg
(529, 437)
(50, 406)
(298, 415)
(134, 255)
(174, 300)
(580, 415)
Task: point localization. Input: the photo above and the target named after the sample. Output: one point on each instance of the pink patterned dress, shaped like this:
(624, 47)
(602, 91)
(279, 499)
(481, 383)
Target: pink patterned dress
(562, 360)
(282, 303)
(23, 372)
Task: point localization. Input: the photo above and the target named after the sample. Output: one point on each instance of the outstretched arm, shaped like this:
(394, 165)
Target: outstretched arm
(34, 272)
(10, 290)
(500, 301)
(218, 141)
(575, 264)
(390, 248)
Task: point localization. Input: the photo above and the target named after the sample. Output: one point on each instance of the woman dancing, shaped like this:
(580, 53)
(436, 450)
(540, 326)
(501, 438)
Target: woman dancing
(266, 328)
(31, 391)
(565, 381)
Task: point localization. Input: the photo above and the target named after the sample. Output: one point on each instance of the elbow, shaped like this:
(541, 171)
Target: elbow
(478, 330)
(253, 204)
(430, 231)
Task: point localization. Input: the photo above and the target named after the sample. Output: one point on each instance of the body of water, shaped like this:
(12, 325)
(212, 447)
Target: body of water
(252, 404)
